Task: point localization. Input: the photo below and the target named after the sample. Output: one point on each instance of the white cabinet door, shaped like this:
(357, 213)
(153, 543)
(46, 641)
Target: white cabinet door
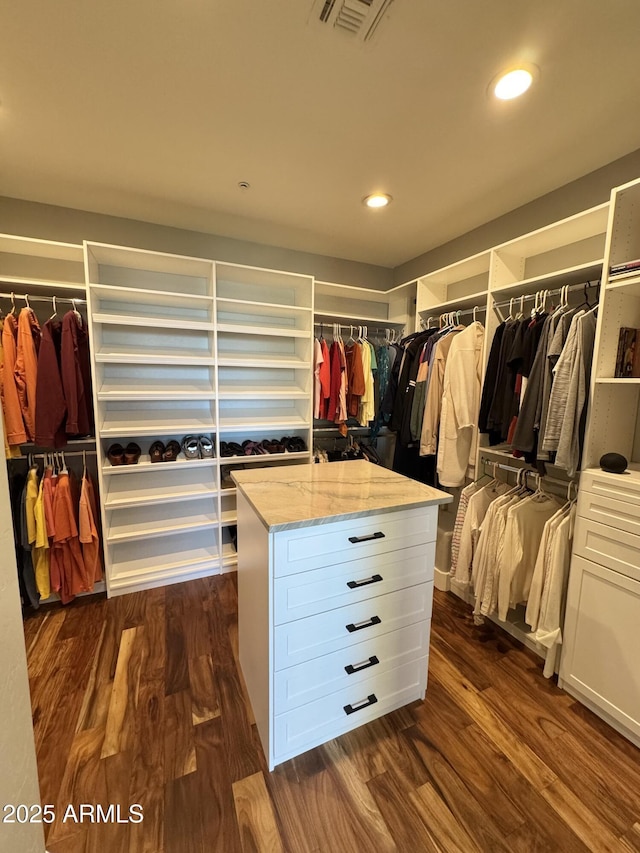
(615, 549)
(601, 659)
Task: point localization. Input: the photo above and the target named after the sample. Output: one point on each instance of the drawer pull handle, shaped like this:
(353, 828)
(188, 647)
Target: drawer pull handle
(351, 668)
(355, 539)
(365, 582)
(358, 626)
(370, 700)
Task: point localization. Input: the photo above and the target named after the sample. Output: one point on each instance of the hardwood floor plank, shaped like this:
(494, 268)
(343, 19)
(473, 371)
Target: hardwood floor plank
(630, 841)
(42, 651)
(179, 743)
(112, 787)
(255, 816)
(121, 717)
(183, 825)
(176, 660)
(147, 770)
(477, 821)
(204, 699)
(580, 818)
(242, 756)
(518, 752)
(481, 778)
(448, 832)
(219, 827)
(365, 814)
(548, 830)
(614, 804)
(405, 825)
(296, 827)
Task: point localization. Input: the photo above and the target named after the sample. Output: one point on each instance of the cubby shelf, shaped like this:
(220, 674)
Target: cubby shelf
(136, 296)
(255, 360)
(159, 394)
(628, 285)
(156, 322)
(569, 275)
(265, 331)
(136, 532)
(122, 357)
(263, 457)
(282, 393)
(135, 499)
(228, 518)
(254, 304)
(145, 465)
(177, 427)
(263, 423)
(59, 288)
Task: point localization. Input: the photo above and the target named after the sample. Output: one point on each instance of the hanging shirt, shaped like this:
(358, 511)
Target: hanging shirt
(66, 544)
(325, 380)
(14, 422)
(51, 408)
(76, 375)
(355, 377)
(366, 410)
(88, 533)
(318, 359)
(561, 386)
(27, 568)
(434, 392)
(41, 548)
(26, 368)
(523, 533)
(460, 403)
(463, 504)
(477, 509)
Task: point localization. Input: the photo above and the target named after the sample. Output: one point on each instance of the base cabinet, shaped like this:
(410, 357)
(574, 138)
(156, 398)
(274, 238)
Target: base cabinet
(333, 638)
(600, 663)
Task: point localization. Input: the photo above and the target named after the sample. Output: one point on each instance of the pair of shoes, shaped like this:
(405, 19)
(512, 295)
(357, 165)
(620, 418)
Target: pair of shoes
(273, 446)
(231, 448)
(119, 455)
(253, 448)
(293, 444)
(159, 453)
(197, 447)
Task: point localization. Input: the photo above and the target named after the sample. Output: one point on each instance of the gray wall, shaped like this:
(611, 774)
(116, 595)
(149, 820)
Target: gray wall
(49, 222)
(588, 191)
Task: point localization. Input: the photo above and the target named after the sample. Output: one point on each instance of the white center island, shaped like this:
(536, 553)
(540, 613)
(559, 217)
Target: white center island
(335, 588)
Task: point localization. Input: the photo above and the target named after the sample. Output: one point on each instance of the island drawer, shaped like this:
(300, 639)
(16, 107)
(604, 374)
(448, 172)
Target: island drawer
(311, 547)
(326, 718)
(314, 636)
(307, 593)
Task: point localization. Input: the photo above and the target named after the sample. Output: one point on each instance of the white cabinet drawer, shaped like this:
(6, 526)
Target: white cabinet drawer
(309, 681)
(314, 636)
(615, 549)
(621, 487)
(307, 593)
(619, 514)
(600, 658)
(326, 718)
(306, 548)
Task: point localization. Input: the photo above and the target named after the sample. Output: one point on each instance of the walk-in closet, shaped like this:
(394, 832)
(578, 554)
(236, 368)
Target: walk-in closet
(319, 398)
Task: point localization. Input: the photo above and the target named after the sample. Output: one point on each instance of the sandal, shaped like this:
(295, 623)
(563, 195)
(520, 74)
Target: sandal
(115, 454)
(156, 451)
(132, 453)
(235, 449)
(171, 451)
(191, 447)
(205, 446)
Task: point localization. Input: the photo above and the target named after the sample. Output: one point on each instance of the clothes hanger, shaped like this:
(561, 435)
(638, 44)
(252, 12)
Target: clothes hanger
(13, 303)
(55, 308)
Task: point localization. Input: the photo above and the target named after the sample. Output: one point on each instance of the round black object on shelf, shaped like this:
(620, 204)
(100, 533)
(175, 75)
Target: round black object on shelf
(613, 463)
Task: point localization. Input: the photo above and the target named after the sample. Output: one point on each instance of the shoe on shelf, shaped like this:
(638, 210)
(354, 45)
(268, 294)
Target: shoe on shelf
(156, 451)
(205, 447)
(191, 447)
(235, 449)
(132, 453)
(115, 454)
(273, 446)
(171, 451)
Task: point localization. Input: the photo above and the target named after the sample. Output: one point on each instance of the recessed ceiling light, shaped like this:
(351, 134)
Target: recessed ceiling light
(376, 200)
(244, 185)
(512, 84)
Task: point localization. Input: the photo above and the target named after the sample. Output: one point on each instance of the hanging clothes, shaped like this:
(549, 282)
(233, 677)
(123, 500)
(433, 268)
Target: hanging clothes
(9, 451)
(88, 533)
(324, 380)
(72, 575)
(41, 546)
(490, 387)
(366, 410)
(16, 433)
(355, 377)
(478, 505)
(76, 374)
(51, 407)
(460, 405)
(438, 356)
(27, 567)
(461, 512)
(26, 368)
(39, 555)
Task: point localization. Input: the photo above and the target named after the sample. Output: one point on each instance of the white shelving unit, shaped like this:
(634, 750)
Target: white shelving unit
(264, 321)
(570, 251)
(152, 326)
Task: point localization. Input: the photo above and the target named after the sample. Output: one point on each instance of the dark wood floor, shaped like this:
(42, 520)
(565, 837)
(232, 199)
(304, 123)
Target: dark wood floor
(139, 700)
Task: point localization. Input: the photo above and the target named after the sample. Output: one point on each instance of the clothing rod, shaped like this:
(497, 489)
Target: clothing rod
(392, 326)
(435, 312)
(527, 471)
(65, 454)
(49, 299)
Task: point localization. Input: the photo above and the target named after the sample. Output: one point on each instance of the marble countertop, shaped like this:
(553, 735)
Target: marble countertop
(292, 496)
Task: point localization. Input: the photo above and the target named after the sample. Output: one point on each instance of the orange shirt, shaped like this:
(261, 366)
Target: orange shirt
(14, 424)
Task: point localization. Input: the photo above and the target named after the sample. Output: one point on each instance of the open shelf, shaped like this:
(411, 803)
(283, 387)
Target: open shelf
(229, 517)
(478, 299)
(223, 300)
(551, 280)
(123, 355)
(170, 495)
(159, 555)
(264, 331)
(631, 284)
(253, 284)
(146, 465)
(255, 360)
(161, 520)
(285, 392)
(263, 457)
(158, 322)
(165, 298)
(120, 418)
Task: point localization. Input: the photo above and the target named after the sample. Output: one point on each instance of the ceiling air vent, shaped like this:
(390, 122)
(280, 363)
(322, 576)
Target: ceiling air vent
(359, 18)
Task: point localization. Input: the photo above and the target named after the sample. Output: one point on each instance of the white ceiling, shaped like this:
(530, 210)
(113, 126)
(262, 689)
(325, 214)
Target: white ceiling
(155, 109)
